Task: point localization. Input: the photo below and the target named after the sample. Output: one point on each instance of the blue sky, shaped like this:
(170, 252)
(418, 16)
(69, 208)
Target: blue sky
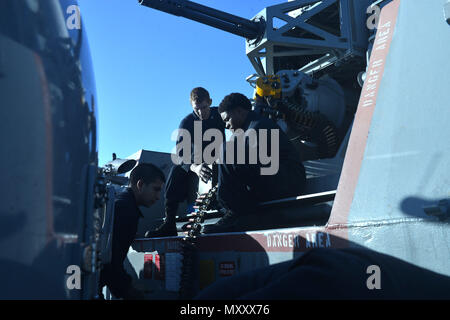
(146, 62)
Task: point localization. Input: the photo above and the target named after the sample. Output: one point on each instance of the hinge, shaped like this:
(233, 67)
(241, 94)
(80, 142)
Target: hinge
(447, 11)
(439, 210)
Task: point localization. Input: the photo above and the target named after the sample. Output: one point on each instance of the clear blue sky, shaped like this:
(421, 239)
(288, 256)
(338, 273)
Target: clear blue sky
(146, 62)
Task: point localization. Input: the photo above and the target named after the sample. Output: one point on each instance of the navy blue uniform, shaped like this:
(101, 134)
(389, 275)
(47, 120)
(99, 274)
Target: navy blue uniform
(126, 218)
(242, 186)
(180, 177)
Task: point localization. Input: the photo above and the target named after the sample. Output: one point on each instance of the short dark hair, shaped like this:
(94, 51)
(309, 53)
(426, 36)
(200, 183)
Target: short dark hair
(233, 101)
(147, 172)
(199, 94)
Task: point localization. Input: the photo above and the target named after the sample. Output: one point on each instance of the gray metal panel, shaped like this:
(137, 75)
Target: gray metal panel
(407, 158)
(425, 244)
(407, 155)
(22, 114)
(48, 151)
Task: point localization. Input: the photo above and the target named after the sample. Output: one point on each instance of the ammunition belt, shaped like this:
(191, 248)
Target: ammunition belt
(204, 203)
(314, 126)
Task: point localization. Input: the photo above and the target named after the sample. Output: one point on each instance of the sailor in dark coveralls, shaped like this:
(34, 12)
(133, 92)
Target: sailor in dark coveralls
(184, 178)
(146, 181)
(242, 185)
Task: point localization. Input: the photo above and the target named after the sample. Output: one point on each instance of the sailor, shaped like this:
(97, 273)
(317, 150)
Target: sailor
(183, 179)
(146, 182)
(243, 184)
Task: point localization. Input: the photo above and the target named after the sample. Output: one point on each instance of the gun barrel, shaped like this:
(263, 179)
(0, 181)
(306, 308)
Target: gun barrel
(209, 16)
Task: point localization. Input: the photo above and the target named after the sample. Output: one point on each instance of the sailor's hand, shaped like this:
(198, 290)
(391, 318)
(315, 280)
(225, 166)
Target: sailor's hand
(203, 171)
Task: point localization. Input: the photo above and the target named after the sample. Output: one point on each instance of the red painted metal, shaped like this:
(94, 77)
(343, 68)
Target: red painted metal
(148, 266)
(358, 138)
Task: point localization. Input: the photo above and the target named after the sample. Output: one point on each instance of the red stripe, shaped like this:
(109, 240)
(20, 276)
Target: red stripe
(358, 139)
(273, 241)
(290, 240)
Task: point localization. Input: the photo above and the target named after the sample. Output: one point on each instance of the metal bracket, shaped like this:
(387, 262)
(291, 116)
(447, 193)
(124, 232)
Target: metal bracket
(440, 210)
(447, 11)
(333, 29)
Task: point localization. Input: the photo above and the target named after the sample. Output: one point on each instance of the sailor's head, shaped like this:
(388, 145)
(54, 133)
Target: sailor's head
(146, 181)
(201, 102)
(234, 109)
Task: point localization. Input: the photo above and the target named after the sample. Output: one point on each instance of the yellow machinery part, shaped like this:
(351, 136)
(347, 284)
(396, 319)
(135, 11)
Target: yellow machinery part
(268, 86)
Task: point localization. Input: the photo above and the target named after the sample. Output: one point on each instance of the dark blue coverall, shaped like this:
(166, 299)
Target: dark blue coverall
(242, 186)
(126, 218)
(180, 177)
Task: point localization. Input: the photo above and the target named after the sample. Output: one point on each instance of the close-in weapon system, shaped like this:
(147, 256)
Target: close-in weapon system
(344, 86)
(307, 56)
